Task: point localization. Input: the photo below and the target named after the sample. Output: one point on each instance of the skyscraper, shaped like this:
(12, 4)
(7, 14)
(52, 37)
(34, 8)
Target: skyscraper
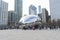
(39, 9)
(32, 10)
(55, 9)
(44, 15)
(0, 7)
(18, 9)
(3, 13)
(39, 12)
(0, 2)
(10, 18)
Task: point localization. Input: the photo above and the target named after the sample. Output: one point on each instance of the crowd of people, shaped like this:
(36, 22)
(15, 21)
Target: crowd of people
(33, 27)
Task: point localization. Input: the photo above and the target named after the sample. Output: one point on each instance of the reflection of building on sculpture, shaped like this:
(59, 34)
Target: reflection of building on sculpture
(32, 20)
(29, 24)
(29, 19)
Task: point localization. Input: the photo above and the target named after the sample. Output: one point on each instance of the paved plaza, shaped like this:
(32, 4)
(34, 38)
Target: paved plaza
(29, 34)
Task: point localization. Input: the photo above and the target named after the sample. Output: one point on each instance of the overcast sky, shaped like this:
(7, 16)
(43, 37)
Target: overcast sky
(27, 3)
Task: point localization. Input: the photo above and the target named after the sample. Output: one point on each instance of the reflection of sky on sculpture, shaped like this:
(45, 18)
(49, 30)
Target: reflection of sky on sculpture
(43, 3)
(29, 19)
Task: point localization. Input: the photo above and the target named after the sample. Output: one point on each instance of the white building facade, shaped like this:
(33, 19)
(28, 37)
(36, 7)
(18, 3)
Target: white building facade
(3, 13)
(55, 9)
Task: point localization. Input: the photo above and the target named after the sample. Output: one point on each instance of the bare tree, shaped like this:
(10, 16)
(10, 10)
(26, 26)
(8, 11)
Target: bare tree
(58, 22)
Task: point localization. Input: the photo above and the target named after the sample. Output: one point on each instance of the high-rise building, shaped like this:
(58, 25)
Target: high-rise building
(3, 13)
(55, 9)
(18, 9)
(44, 15)
(39, 9)
(10, 18)
(40, 15)
(32, 10)
(0, 7)
(0, 2)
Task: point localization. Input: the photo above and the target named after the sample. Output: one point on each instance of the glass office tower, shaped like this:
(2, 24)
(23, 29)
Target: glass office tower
(18, 9)
(0, 8)
(3, 13)
(55, 9)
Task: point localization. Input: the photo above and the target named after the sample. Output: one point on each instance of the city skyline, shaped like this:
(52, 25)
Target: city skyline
(43, 3)
(12, 11)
